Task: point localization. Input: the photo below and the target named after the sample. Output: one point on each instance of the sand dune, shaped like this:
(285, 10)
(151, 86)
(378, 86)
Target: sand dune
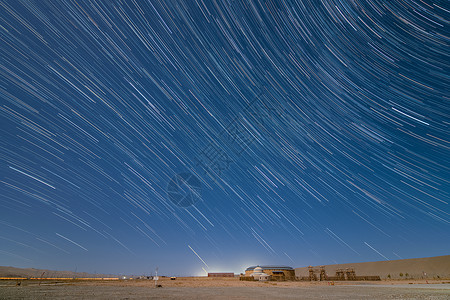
(428, 267)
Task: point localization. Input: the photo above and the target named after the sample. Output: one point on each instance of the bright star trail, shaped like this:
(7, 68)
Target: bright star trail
(255, 132)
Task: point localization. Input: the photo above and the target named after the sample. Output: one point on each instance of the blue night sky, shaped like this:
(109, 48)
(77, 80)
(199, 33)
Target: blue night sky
(209, 136)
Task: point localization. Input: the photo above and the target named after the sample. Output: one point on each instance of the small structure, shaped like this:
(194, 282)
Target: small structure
(220, 274)
(340, 274)
(350, 273)
(323, 274)
(312, 273)
(258, 274)
(312, 276)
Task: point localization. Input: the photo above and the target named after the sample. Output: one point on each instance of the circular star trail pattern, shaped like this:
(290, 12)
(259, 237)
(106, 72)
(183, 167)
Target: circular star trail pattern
(104, 102)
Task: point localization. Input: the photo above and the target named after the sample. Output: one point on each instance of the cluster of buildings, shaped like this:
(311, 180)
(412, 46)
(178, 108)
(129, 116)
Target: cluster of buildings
(285, 273)
(265, 273)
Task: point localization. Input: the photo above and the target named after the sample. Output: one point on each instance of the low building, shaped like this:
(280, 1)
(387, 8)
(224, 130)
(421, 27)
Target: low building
(275, 272)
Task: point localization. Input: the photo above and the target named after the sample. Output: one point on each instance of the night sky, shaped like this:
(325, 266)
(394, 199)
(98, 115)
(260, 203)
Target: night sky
(206, 136)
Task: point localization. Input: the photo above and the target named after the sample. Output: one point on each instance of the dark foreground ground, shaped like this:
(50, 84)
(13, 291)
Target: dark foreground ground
(71, 291)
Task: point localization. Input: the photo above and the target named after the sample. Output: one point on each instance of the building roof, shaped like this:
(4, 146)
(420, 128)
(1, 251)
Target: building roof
(274, 267)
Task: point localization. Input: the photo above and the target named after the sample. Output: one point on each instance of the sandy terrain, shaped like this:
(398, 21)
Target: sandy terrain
(232, 288)
(227, 288)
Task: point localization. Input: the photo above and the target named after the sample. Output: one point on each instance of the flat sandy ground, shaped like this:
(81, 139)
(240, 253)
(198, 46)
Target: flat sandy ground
(226, 288)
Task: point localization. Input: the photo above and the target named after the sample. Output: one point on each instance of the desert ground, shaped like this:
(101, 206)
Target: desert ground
(221, 288)
(434, 285)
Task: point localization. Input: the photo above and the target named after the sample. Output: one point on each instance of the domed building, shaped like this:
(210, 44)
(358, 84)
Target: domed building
(275, 272)
(258, 274)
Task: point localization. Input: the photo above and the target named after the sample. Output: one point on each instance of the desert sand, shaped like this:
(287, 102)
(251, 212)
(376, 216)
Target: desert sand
(428, 287)
(220, 288)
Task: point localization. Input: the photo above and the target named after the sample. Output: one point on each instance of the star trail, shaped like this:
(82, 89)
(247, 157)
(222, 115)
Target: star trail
(255, 132)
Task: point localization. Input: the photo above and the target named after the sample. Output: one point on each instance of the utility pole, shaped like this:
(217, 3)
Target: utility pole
(156, 277)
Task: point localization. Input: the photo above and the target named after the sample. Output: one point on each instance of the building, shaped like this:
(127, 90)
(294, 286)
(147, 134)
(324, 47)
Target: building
(258, 274)
(274, 272)
(220, 274)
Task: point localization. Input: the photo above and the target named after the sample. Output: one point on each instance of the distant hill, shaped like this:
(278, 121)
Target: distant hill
(31, 272)
(417, 268)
